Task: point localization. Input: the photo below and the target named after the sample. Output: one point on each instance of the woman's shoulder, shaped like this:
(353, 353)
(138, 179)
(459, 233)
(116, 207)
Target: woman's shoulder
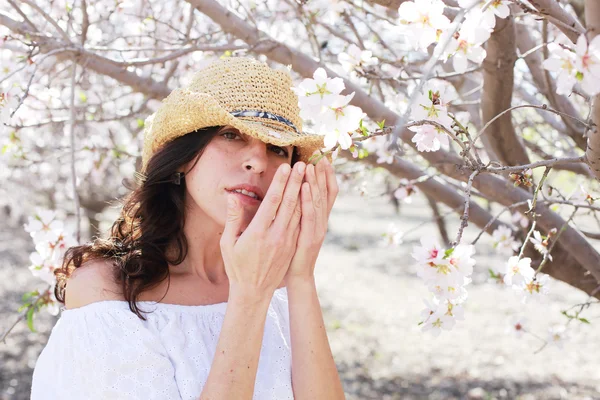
(94, 281)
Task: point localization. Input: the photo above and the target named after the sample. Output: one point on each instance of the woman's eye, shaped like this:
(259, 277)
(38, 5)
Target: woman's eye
(230, 135)
(280, 151)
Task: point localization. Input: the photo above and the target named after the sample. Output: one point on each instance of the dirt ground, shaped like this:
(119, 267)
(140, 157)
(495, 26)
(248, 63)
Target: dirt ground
(371, 300)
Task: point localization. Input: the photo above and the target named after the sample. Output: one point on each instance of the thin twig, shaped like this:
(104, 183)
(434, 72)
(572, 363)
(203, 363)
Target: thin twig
(465, 217)
(542, 163)
(542, 107)
(537, 192)
(72, 137)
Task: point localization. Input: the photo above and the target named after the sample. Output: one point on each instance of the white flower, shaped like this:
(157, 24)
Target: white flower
(536, 287)
(338, 120)
(356, 57)
(541, 244)
(424, 19)
(43, 228)
(8, 103)
(581, 194)
(42, 268)
(588, 63)
(467, 45)
(517, 325)
(314, 94)
(557, 335)
(428, 137)
(444, 317)
(427, 106)
(562, 62)
(455, 293)
(405, 191)
(518, 272)
(497, 8)
(461, 259)
(385, 156)
(430, 251)
(393, 237)
(519, 219)
(503, 239)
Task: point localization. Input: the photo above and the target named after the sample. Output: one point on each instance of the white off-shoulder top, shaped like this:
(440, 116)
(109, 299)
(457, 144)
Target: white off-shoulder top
(103, 351)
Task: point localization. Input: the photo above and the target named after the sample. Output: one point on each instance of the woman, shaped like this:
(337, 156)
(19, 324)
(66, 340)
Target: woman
(188, 297)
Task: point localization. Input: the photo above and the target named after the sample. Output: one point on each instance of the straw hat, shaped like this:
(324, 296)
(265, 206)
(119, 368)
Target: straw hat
(238, 91)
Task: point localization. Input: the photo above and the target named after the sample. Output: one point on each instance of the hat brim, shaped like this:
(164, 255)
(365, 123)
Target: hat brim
(185, 111)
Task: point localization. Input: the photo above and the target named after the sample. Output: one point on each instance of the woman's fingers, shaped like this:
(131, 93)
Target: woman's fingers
(315, 195)
(278, 205)
(322, 182)
(332, 186)
(290, 199)
(270, 203)
(308, 222)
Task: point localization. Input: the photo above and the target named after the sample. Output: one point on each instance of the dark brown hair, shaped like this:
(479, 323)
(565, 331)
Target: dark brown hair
(148, 235)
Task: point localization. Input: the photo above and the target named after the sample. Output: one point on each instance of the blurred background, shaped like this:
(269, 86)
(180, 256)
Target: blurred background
(372, 299)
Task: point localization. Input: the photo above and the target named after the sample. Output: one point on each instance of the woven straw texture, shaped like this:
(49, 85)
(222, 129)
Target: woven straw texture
(225, 86)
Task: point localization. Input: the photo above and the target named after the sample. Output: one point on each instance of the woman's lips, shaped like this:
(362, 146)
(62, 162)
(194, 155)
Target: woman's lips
(251, 201)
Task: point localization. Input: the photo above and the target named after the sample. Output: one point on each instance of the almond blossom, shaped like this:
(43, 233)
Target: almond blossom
(405, 191)
(355, 57)
(440, 316)
(562, 62)
(557, 335)
(467, 46)
(8, 103)
(430, 251)
(518, 271)
(423, 19)
(503, 240)
(338, 119)
(540, 243)
(588, 63)
(517, 325)
(519, 219)
(392, 237)
(429, 106)
(43, 227)
(429, 138)
(536, 287)
(318, 92)
(487, 17)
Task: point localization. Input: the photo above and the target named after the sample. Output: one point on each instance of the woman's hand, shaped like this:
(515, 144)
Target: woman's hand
(256, 260)
(317, 195)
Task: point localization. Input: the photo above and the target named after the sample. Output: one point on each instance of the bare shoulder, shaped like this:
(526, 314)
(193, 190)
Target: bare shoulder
(90, 283)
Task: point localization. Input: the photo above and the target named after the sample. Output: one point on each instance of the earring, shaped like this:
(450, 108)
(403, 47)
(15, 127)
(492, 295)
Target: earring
(177, 178)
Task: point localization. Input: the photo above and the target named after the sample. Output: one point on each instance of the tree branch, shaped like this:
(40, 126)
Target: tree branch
(592, 19)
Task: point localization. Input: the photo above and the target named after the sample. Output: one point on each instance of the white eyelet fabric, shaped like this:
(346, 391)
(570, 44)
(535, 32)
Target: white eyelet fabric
(104, 351)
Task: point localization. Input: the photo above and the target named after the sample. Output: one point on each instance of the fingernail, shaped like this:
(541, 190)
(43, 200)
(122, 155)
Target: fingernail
(301, 167)
(286, 169)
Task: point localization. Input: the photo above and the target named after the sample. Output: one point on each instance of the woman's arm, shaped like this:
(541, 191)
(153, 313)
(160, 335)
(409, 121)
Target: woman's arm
(314, 373)
(233, 371)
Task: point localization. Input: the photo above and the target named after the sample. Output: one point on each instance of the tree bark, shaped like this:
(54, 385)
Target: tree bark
(498, 87)
(592, 19)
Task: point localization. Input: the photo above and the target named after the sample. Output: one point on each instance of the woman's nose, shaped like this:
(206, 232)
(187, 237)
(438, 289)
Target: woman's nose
(256, 157)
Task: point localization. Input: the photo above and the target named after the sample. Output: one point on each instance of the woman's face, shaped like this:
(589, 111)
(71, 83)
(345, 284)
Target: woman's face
(233, 161)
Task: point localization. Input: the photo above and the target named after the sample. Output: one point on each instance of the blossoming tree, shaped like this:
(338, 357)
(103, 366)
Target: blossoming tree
(472, 103)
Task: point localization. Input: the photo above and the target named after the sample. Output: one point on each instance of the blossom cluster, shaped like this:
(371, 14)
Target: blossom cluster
(446, 273)
(518, 274)
(424, 23)
(51, 242)
(321, 101)
(571, 66)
